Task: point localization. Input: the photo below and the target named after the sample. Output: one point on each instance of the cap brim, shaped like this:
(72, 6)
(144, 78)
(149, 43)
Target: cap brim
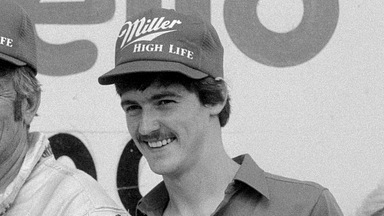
(12, 60)
(116, 74)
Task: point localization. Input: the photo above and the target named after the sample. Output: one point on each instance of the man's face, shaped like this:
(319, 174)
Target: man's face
(168, 125)
(11, 131)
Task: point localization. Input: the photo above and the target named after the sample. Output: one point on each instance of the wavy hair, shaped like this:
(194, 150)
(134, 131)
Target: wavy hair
(209, 90)
(24, 82)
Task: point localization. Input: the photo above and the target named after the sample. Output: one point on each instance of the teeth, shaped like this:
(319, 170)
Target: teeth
(159, 143)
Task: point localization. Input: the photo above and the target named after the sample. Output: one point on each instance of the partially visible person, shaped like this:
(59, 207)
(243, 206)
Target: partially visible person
(373, 204)
(32, 182)
(169, 75)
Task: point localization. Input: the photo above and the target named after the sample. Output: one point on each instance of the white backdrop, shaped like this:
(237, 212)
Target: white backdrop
(322, 120)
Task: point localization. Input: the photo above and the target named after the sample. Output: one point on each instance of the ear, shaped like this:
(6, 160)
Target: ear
(30, 106)
(215, 109)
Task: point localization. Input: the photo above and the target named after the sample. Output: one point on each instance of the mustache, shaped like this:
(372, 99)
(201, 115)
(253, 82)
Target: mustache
(155, 135)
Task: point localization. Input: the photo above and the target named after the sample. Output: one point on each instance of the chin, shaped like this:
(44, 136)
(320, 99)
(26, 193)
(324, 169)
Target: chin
(162, 168)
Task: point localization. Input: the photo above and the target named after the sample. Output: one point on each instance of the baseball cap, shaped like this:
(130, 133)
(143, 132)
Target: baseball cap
(163, 40)
(17, 36)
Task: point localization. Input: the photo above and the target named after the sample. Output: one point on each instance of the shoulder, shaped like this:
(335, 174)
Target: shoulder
(75, 189)
(294, 197)
(312, 197)
(274, 185)
(293, 186)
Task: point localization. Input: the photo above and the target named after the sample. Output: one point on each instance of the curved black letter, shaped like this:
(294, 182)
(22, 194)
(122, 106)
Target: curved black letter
(281, 49)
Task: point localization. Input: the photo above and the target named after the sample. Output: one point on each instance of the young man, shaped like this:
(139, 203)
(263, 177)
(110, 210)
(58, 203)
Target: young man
(169, 75)
(32, 182)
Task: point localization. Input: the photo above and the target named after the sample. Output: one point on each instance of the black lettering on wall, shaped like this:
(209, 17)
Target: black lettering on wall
(281, 49)
(76, 56)
(127, 177)
(68, 145)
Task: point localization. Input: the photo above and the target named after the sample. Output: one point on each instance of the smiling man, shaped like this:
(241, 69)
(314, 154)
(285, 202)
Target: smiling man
(169, 75)
(32, 182)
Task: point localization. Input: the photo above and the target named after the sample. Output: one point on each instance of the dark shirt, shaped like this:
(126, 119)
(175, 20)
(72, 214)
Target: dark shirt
(255, 192)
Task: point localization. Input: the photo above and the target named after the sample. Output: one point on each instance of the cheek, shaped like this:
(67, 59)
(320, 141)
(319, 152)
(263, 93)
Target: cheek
(6, 114)
(192, 126)
(132, 126)
(7, 119)
(7, 127)
(198, 125)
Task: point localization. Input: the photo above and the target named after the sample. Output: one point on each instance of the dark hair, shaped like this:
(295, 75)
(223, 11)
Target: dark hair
(209, 90)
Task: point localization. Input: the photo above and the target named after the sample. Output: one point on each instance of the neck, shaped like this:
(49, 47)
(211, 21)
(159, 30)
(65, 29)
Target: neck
(200, 191)
(10, 166)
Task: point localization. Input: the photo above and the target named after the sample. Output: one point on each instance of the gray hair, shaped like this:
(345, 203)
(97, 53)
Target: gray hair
(24, 83)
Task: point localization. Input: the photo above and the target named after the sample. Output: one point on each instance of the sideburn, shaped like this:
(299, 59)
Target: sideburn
(17, 107)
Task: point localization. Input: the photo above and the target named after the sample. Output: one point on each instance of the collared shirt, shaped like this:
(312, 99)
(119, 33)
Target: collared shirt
(255, 192)
(44, 187)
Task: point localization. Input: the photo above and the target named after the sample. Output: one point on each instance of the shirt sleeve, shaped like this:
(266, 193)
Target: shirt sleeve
(108, 212)
(326, 205)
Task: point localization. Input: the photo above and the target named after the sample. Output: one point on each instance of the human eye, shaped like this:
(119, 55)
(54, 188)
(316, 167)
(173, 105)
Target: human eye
(131, 109)
(165, 102)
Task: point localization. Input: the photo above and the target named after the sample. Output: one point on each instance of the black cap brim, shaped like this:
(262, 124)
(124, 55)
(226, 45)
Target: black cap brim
(116, 74)
(12, 60)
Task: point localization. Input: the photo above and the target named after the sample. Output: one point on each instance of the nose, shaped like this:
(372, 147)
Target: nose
(149, 123)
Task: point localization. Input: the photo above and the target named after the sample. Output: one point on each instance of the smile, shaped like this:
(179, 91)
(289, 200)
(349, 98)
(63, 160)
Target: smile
(160, 143)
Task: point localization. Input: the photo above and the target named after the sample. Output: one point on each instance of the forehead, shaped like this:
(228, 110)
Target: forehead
(157, 91)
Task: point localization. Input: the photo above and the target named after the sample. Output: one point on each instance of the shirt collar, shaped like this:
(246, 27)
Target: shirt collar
(251, 174)
(155, 200)
(38, 143)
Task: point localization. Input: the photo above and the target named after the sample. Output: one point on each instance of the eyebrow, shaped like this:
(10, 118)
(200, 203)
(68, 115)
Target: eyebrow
(161, 95)
(165, 94)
